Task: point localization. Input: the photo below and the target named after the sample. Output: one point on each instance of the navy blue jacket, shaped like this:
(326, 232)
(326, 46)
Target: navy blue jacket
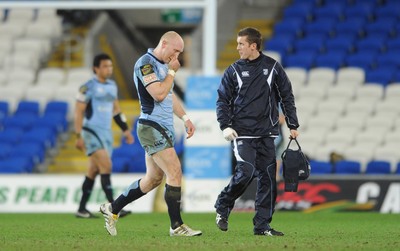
(249, 94)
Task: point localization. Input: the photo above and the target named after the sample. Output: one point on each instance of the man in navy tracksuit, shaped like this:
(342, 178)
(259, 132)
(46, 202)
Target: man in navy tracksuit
(248, 114)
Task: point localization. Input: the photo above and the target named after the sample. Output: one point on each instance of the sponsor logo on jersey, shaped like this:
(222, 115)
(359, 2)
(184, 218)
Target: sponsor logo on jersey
(149, 78)
(148, 74)
(245, 74)
(265, 71)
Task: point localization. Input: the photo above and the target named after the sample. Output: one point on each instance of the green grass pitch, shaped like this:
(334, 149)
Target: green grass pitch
(303, 231)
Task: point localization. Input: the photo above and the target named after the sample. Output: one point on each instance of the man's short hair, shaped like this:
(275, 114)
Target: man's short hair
(99, 57)
(253, 36)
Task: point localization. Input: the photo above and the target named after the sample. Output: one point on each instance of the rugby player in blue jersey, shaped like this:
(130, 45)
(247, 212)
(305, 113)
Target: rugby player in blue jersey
(153, 75)
(96, 106)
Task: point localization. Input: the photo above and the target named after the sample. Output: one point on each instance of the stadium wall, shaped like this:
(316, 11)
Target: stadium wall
(61, 193)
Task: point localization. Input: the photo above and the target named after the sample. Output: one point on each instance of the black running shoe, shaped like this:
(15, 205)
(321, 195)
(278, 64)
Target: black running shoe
(270, 232)
(123, 213)
(85, 214)
(221, 222)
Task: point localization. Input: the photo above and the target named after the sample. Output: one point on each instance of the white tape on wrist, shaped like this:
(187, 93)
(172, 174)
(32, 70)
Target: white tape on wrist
(171, 72)
(185, 118)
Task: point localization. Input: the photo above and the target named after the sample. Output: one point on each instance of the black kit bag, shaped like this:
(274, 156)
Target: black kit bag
(295, 167)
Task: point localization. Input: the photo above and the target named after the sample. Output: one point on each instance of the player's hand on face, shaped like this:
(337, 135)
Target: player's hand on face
(189, 128)
(174, 64)
(129, 139)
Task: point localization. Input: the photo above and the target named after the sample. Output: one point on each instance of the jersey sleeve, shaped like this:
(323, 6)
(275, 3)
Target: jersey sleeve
(225, 98)
(84, 94)
(147, 74)
(287, 98)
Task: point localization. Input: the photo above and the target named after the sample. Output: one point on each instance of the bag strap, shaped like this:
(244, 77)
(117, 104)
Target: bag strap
(291, 139)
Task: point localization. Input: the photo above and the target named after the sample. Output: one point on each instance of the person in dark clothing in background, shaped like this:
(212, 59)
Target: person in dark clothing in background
(247, 111)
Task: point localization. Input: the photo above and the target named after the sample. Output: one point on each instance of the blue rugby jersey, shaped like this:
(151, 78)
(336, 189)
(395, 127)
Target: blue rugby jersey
(148, 70)
(99, 98)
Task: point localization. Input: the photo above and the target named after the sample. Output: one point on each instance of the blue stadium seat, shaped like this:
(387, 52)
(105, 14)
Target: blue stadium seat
(44, 122)
(59, 119)
(383, 76)
(300, 11)
(320, 167)
(389, 60)
(396, 77)
(390, 10)
(5, 150)
(393, 44)
(136, 155)
(16, 165)
(365, 61)
(281, 44)
(301, 60)
(360, 10)
(120, 164)
(372, 44)
(28, 107)
(11, 135)
(313, 44)
(42, 135)
(382, 27)
(334, 60)
(34, 151)
(378, 167)
(23, 121)
(289, 26)
(332, 11)
(351, 27)
(60, 107)
(342, 43)
(179, 145)
(347, 167)
(373, 3)
(320, 27)
(123, 151)
(398, 29)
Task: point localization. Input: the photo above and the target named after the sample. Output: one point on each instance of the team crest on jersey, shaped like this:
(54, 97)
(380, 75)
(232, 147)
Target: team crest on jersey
(81, 96)
(148, 73)
(83, 89)
(146, 69)
(245, 74)
(265, 71)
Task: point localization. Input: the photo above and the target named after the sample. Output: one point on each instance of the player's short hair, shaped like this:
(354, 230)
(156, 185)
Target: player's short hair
(99, 57)
(253, 36)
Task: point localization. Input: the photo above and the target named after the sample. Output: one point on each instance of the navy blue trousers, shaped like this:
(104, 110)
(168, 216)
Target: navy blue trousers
(255, 159)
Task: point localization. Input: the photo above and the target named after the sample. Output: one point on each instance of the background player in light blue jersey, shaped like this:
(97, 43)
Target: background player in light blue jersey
(154, 79)
(97, 104)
